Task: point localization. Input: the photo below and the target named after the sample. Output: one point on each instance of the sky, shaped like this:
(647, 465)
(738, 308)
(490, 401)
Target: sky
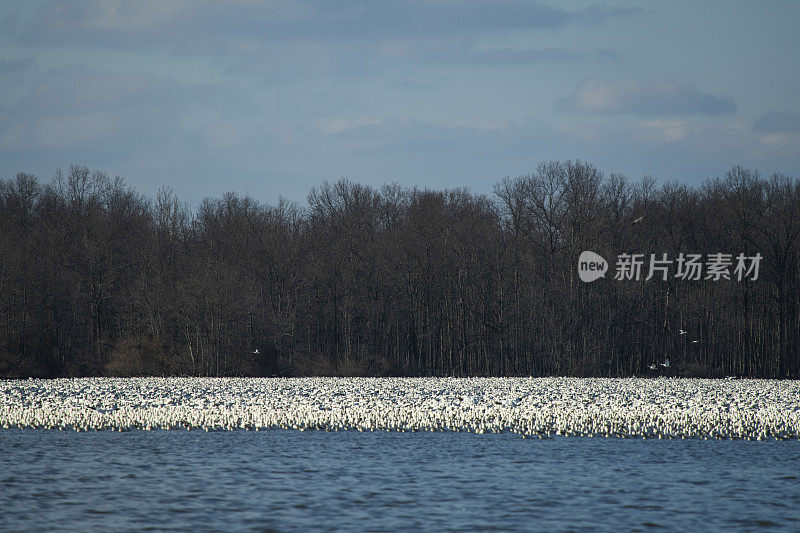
(272, 98)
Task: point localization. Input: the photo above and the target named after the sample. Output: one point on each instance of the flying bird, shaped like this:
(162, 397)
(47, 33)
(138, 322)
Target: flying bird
(636, 221)
(654, 367)
(682, 332)
(256, 351)
(695, 342)
(665, 364)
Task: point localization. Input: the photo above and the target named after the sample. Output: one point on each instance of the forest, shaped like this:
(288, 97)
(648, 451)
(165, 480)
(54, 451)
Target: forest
(97, 279)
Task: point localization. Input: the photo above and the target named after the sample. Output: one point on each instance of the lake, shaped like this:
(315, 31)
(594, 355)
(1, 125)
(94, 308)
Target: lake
(298, 480)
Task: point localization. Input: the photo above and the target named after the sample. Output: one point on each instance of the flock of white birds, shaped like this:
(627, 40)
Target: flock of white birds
(531, 407)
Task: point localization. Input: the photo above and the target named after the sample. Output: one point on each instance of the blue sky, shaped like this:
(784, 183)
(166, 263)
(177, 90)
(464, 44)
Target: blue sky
(271, 98)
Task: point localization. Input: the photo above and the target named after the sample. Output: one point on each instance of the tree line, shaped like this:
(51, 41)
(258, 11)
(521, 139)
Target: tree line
(96, 279)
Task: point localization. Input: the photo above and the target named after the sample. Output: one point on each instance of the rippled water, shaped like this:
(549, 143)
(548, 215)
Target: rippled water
(291, 480)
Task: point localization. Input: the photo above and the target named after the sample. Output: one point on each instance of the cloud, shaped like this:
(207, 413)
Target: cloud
(657, 98)
(464, 52)
(596, 13)
(515, 56)
(77, 88)
(778, 122)
(688, 149)
(671, 130)
(423, 152)
(75, 107)
(278, 42)
(18, 65)
(209, 26)
(478, 154)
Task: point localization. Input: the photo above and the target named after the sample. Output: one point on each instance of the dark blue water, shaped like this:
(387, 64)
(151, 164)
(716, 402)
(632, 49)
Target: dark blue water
(291, 480)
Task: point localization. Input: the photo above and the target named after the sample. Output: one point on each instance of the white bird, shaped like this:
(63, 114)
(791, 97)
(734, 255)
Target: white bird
(695, 342)
(639, 219)
(654, 367)
(682, 332)
(665, 364)
(255, 351)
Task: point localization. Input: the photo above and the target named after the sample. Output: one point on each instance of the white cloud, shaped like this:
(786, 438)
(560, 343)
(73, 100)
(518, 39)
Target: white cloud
(659, 98)
(16, 65)
(239, 27)
(778, 122)
(670, 130)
